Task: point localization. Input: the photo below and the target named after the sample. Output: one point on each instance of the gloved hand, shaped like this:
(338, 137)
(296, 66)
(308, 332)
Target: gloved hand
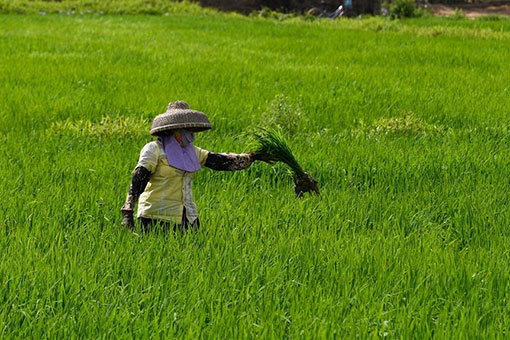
(128, 220)
(260, 157)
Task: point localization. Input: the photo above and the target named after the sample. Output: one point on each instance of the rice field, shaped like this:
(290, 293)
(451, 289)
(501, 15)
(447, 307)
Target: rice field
(405, 124)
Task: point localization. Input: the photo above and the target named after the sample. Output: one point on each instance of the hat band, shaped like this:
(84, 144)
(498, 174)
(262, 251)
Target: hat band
(180, 126)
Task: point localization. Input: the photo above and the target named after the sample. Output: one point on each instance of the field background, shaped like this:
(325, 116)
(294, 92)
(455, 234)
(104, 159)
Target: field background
(404, 124)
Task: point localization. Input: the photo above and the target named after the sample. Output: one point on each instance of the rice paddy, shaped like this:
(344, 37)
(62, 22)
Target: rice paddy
(403, 123)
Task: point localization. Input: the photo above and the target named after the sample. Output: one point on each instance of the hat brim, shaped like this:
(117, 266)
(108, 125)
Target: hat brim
(195, 127)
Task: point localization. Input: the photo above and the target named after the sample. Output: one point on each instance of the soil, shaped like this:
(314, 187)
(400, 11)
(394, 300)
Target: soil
(471, 11)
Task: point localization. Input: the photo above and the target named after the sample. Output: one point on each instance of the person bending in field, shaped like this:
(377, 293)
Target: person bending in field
(162, 179)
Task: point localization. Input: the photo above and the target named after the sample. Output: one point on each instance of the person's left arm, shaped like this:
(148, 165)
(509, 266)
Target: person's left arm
(228, 161)
(224, 161)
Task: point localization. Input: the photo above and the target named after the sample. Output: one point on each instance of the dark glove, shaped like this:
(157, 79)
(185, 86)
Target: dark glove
(128, 220)
(261, 157)
(229, 161)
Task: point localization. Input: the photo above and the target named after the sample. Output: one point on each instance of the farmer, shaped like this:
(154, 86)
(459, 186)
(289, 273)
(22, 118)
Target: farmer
(162, 178)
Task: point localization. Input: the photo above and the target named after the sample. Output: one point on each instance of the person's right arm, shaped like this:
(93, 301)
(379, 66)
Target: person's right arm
(141, 175)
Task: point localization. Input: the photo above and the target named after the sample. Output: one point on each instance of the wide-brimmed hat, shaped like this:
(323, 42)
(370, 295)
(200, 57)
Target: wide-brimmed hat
(178, 115)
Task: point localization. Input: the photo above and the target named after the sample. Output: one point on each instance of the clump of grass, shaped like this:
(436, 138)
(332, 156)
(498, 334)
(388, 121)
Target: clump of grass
(268, 13)
(491, 17)
(458, 14)
(403, 9)
(272, 147)
(407, 125)
(284, 114)
(105, 127)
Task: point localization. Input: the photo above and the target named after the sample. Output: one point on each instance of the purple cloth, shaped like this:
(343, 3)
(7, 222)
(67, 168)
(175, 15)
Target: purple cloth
(181, 157)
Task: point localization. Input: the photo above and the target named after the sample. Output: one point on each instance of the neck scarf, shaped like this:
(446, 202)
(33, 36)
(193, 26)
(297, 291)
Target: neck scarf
(180, 152)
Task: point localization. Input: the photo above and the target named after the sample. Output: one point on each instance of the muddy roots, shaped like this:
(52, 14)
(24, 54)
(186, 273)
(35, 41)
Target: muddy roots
(304, 183)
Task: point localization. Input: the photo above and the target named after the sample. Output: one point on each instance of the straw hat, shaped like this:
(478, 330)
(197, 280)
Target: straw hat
(178, 115)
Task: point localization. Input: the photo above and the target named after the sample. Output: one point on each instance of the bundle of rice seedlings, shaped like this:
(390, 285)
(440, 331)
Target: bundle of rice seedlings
(272, 147)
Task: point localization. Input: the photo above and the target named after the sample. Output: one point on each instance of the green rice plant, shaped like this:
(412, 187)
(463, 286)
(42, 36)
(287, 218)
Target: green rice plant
(272, 147)
(81, 7)
(409, 239)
